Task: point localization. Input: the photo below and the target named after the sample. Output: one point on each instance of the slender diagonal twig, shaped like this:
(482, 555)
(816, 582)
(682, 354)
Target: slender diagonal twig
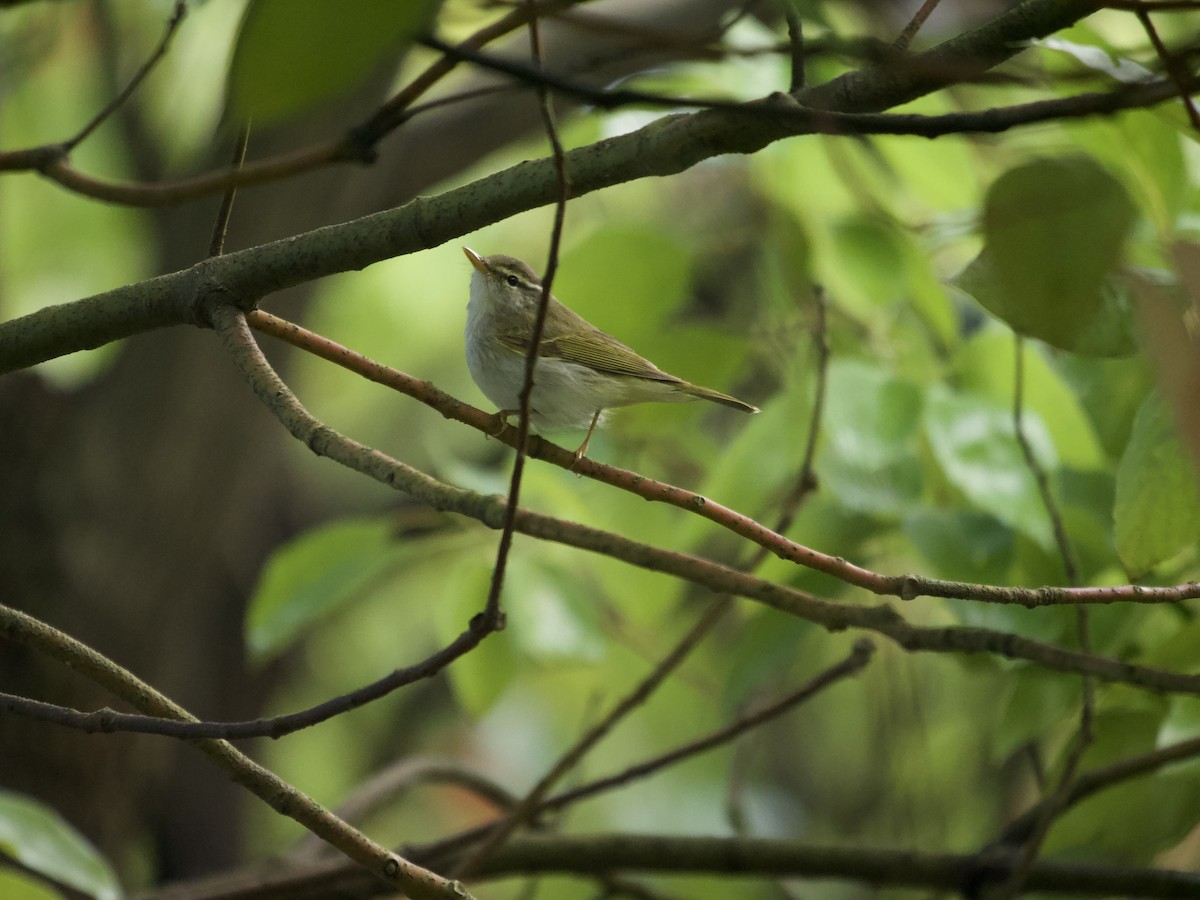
(221, 227)
(881, 619)
(858, 658)
(1056, 803)
(384, 786)
(1090, 783)
(795, 46)
(139, 76)
(1180, 77)
(1062, 539)
(107, 720)
(914, 25)
(492, 609)
(806, 481)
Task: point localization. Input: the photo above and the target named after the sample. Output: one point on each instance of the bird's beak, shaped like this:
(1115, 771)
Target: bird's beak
(476, 260)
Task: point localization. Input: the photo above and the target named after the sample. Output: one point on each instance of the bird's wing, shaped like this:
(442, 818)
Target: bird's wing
(593, 349)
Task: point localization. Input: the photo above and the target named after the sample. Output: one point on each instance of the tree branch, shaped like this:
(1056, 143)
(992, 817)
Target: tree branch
(736, 857)
(491, 511)
(397, 872)
(666, 146)
(907, 587)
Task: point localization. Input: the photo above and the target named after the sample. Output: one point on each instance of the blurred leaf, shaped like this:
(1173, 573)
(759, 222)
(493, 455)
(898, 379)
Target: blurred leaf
(962, 545)
(41, 840)
(627, 280)
(1157, 509)
(1054, 230)
(868, 455)
(1165, 309)
(1104, 329)
(15, 885)
(550, 618)
(1085, 499)
(1111, 392)
(872, 256)
(1178, 652)
(743, 476)
(1130, 822)
(313, 575)
(975, 446)
(1036, 707)
(484, 674)
(1099, 59)
(987, 363)
(292, 54)
(1144, 151)
(766, 648)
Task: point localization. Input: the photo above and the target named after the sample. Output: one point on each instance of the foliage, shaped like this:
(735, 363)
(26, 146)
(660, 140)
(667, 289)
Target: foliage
(955, 324)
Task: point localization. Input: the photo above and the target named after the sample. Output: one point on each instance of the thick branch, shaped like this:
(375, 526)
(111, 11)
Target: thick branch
(665, 147)
(737, 857)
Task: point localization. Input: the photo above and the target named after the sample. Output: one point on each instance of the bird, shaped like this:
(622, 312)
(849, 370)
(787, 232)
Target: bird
(581, 371)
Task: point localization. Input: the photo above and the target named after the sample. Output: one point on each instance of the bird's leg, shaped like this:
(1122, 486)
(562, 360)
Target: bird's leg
(501, 418)
(582, 451)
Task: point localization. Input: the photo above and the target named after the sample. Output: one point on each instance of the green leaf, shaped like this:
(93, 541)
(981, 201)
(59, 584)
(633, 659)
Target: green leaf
(292, 54)
(1110, 390)
(871, 253)
(315, 574)
(549, 616)
(1100, 59)
(1054, 230)
(1157, 509)
(480, 677)
(41, 840)
(962, 545)
(15, 885)
(628, 280)
(1107, 332)
(868, 458)
(1132, 821)
(976, 448)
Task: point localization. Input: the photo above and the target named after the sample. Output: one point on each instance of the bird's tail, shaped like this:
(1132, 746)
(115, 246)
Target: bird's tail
(717, 397)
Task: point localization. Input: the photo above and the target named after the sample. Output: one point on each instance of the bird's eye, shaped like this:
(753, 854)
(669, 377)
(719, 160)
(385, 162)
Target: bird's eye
(513, 280)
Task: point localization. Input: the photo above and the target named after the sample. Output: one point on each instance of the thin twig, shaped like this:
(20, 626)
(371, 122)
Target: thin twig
(1061, 539)
(113, 105)
(1151, 5)
(914, 25)
(806, 481)
(385, 785)
(795, 45)
(217, 245)
(356, 145)
(398, 872)
(858, 658)
(881, 619)
(872, 870)
(1056, 803)
(1096, 780)
(492, 608)
(1180, 77)
(107, 720)
(399, 108)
